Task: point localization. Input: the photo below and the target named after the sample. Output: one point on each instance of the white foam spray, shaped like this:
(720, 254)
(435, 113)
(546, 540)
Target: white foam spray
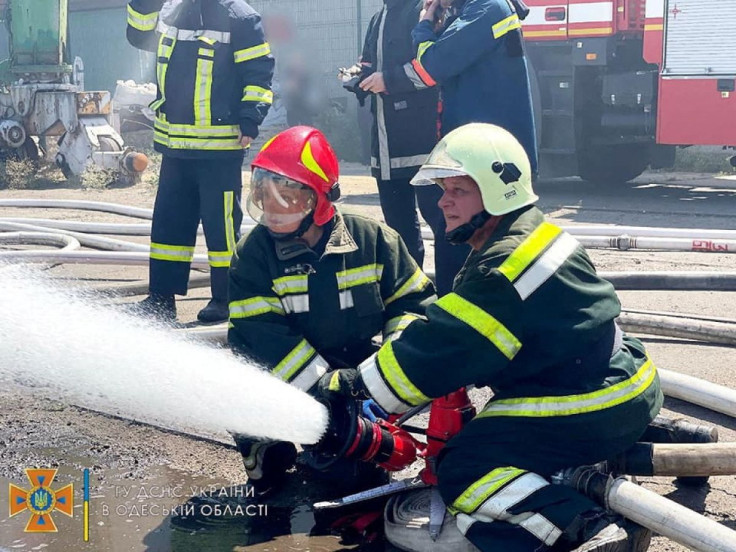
(69, 346)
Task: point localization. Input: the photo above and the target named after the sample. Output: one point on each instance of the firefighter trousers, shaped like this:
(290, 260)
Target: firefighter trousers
(190, 190)
(495, 476)
(399, 200)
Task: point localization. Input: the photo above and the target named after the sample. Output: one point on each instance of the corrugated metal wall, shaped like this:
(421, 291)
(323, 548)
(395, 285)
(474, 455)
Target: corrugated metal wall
(98, 37)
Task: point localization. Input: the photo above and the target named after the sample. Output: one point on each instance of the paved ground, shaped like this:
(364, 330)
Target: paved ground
(45, 433)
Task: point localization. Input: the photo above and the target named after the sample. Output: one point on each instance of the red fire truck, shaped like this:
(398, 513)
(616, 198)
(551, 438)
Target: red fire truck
(618, 84)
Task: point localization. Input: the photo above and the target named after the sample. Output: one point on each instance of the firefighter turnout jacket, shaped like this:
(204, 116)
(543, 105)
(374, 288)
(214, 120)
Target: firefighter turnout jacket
(213, 68)
(300, 314)
(479, 61)
(405, 117)
(530, 318)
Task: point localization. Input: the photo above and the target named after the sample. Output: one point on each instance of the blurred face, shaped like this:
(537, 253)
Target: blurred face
(461, 200)
(277, 202)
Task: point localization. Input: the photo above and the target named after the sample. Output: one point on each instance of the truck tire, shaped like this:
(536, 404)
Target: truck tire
(610, 165)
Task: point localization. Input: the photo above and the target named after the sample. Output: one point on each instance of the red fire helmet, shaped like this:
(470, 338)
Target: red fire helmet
(303, 154)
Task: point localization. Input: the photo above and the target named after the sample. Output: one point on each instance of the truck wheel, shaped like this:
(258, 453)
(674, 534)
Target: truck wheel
(612, 165)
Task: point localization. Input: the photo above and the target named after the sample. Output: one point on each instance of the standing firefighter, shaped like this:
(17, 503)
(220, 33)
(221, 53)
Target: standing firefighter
(214, 72)
(530, 318)
(309, 286)
(404, 132)
(476, 55)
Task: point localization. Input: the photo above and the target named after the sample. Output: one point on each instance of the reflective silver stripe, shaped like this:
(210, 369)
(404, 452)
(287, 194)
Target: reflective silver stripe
(179, 253)
(224, 131)
(403, 162)
(291, 284)
(219, 258)
(417, 282)
(378, 389)
(546, 265)
(383, 152)
(296, 359)
(295, 303)
(203, 87)
(414, 76)
(173, 142)
(346, 300)
(257, 94)
(192, 35)
(569, 405)
(254, 306)
(539, 526)
(465, 522)
(247, 54)
(164, 51)
(311, 374)
(142, 21)
(228, 206)
(397, 325)
(359, 275)
(497, 505)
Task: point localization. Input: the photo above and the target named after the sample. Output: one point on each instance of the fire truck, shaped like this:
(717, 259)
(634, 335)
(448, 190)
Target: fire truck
(617, 85)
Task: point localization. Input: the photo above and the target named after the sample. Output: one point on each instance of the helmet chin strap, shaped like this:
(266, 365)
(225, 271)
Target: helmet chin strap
(298, 233)
(464, 232)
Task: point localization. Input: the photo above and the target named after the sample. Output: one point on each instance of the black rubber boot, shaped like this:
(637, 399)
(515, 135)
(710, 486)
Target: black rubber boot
(215, 311)
(157, 306)
(265, 462)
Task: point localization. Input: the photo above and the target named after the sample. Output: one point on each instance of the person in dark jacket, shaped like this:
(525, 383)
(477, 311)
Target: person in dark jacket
(477, 57)
(310, 286)
(530, 318)
(214, 72)
(404, 131)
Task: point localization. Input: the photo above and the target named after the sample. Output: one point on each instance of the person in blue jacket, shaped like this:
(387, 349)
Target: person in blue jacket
(473, 49)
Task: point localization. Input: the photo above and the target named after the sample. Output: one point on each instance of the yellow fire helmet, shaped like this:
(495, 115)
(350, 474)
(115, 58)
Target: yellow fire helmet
(492, 157)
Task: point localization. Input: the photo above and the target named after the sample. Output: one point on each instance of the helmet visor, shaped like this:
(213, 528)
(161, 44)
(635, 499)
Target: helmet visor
(278, 202)
(434, 175)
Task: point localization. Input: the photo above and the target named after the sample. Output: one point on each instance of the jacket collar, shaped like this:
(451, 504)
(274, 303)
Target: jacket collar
(339, 242)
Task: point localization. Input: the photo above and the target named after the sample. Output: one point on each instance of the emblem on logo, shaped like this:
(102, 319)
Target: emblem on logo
(41, 500)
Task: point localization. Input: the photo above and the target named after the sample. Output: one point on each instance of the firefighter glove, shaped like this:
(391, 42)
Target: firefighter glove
(344, 382)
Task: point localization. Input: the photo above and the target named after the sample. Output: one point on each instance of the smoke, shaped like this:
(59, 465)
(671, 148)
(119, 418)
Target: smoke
(65, 345)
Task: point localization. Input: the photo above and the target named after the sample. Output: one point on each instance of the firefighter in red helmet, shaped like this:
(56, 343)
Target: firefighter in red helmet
(310, 286)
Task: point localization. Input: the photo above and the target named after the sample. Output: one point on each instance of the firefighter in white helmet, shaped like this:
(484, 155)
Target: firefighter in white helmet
(530, 318)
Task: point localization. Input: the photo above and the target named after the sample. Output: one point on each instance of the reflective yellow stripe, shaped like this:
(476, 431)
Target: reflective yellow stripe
(252, 53)
(294, 361)
(203, 85)
(210, 131)
(575, 404)
(179, 253)
(257, 94)
(359, 275)
(290, 284)
(478, 492)
(399, 324)
(509, 24)
(142, 22)
(397, 379)
(423, 48)
(482, 322)
(164, 51)
(229, 199)
(254, 306)
(524, 255)
(219, 259)
(417, 282)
